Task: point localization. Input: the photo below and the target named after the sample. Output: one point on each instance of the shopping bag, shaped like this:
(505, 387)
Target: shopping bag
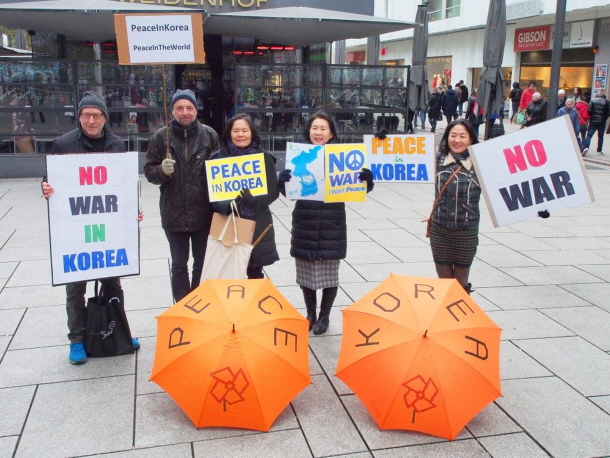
(107, 331)
(498, 129)
(228, 251)
(521, 118)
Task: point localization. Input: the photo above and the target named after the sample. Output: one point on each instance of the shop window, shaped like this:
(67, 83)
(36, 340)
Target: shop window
(443, 9)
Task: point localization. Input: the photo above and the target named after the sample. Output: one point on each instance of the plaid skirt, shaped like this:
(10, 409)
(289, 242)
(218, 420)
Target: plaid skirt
(453, 247)
(317, 274)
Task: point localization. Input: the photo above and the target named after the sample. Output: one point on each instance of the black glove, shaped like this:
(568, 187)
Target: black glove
(246, 197)
(284, 176)
(544, 214)
(382, 134)
(366, 175)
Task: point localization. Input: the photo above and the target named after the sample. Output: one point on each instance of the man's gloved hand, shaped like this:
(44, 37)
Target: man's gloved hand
(284, 176)
(366, 175)
(168, 166)
(246, 197)
(382, 134)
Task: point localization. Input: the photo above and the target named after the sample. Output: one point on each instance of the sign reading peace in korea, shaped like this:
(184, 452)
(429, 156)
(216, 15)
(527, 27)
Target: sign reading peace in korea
(159, 38)
(533, 169)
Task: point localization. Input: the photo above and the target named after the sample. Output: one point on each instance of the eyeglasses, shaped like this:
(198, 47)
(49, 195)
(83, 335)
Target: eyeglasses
(95, 116)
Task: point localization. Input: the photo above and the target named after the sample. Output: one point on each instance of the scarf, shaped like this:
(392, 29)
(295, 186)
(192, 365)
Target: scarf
(233, 150)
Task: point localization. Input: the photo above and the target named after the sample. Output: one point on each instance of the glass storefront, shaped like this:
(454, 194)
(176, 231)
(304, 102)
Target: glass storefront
(439, 71)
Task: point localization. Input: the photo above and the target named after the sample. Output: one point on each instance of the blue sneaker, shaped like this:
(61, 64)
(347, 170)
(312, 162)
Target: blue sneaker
(78, 355)
(135, 343)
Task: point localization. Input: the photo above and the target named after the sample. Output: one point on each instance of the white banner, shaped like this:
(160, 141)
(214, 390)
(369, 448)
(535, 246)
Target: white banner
(533, 169)
(401, 158)
(93, 213)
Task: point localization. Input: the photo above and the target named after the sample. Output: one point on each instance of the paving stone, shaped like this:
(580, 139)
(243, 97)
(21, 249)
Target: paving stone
(527, 324)
(595, 231)
(326, 351)
(590, 323)
(603, 402)
(170, 451)
(140, 295)
(369, 253)
(30, 253)
(7, 446)
(279, 444)
(538, 228)
(594, 293)
(32, 296)
(356, 291)
(413, 254)
(31, 273)
(4, 341)
(512, 446)
(143, 323)
(492, 421)
(565, 257)
(50, 364)
(9, 320)
(41, 327)
(395, 238)
(600, 271)
(312, 407)
(573, 427)
(159, 421)
(379, 272)
(146, 356)
(548, 275)
(519, 242)
(15, 404)
(463, 448)
(356, 235)
(515, 363)
(529, 297)
(154, 267)
(483, 275)
(7, 268)
(502, 256)
(24, 237)
(579, 243)
(104, 404)
(583, 366)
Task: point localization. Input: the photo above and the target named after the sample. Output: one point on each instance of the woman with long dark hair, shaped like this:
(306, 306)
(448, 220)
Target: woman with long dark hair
(319, 234)
(454, 234)
(241, 138)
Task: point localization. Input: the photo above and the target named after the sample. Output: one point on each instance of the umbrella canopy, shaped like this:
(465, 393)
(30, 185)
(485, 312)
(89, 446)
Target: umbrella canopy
(418, 82)
(79, 19)
(300, 26)
(420, 354)
(232, 353)
(490, 90)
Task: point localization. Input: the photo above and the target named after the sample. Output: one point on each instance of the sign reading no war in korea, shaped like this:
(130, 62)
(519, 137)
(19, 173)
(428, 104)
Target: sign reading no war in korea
(401, 158)
(93, 213)
(533, 169)
(228, 176)
(159, 38)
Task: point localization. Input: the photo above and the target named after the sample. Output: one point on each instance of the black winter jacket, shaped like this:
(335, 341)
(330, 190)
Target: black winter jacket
(599, 109)
(434, 105)
(449, 102)
(265, 252)
(184, 203)
(76, 141)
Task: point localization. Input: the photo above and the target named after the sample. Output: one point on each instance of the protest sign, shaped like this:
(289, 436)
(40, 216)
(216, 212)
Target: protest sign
(307, 164)
(93, 213)
(533, 169)
(159, 38)
(344, 163)
(228, 176)
(401, 158)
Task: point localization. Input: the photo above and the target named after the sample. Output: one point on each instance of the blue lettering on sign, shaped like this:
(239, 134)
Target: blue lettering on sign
(95, 260)
(400, 172)
(354, 160)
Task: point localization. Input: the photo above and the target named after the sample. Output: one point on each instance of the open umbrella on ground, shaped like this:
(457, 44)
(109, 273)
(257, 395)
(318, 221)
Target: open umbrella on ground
(418, 82)
(490, 90)
(420, 354)
(232, 353)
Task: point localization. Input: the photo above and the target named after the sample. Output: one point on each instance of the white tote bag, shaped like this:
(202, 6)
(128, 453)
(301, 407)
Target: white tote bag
(227, 259)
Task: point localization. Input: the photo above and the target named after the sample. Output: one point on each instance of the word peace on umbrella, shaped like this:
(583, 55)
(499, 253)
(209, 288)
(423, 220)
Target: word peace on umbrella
(232, 353)
(420, 354)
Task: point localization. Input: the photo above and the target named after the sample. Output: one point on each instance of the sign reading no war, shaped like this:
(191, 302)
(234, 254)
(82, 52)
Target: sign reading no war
(93, 213)
(228, 176)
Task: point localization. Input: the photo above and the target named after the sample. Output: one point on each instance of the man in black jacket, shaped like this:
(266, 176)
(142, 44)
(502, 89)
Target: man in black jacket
(91, 136)
(599, 110)
(179, 168)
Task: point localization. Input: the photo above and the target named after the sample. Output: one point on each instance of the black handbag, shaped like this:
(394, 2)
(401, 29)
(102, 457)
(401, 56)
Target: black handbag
(107, 331)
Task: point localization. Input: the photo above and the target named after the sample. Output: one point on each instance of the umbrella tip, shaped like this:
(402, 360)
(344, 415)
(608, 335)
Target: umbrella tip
(233, 327)
(426, 333)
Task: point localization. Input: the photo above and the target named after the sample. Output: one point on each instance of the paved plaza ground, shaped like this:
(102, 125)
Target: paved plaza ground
(545, 282)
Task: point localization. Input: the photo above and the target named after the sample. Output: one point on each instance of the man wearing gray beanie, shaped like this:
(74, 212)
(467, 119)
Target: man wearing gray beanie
(91, 136)
(175, 160)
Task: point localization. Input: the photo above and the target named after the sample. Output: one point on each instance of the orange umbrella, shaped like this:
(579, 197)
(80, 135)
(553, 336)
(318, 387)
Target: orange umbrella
(421, 355)
(232, 353)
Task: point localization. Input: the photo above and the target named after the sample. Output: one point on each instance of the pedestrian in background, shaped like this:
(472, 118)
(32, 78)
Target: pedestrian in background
(536, 111)
(599, 110)
(474, 112)
(561, 98)
(434, 108)
(583, 118)
(454, 234)
(515, 98)
(527, 95)
(176, 161)
(577, 95)
(449, 103)
(319, 233)
(569, 110)
(241, 138)
(91, 136)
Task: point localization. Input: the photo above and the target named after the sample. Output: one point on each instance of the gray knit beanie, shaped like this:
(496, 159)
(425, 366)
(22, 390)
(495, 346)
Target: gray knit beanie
(184, 94)
(93, 100)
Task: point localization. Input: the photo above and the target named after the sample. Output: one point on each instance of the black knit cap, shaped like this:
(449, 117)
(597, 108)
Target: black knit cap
(184, 94)
(93, 100)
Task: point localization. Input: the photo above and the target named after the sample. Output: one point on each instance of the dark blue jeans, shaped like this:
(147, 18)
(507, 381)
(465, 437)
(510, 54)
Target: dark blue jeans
(179, 244)
(598, 127)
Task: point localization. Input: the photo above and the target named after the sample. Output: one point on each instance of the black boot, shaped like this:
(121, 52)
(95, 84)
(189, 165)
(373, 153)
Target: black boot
(328, 297)
(311, 303)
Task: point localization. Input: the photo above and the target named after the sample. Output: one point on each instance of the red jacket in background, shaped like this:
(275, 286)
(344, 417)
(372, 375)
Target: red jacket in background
(582, 108)
(526, 98)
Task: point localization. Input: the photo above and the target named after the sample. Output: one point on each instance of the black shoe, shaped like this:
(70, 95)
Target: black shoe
(311, 317)
(321, 325)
